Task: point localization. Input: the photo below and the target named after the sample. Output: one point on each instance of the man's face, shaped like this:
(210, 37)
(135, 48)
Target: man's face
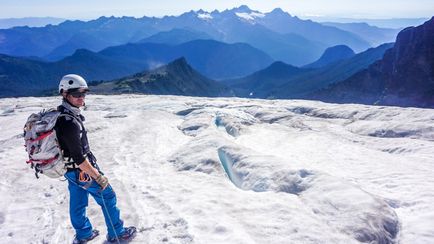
(76, 98)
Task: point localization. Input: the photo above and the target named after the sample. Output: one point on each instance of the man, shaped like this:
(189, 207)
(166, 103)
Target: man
(83, 174)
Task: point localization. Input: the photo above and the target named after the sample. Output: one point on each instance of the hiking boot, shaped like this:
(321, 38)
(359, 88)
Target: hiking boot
(95, 233)
(127, 235)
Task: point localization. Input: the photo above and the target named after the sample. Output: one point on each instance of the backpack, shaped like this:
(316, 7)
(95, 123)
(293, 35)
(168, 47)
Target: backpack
(42, 145)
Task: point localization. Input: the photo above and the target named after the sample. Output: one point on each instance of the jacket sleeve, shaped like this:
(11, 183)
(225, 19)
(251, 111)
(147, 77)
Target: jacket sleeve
(69, 132)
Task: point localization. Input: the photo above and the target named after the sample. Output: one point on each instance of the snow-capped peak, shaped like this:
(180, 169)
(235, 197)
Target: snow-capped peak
(245, 16)
(257, 14)
(204, 16)
(250, 16)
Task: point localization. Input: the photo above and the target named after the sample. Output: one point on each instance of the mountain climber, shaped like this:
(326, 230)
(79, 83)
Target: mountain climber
(83, 173)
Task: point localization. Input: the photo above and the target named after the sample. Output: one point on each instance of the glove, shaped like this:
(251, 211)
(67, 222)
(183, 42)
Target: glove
(102, 181)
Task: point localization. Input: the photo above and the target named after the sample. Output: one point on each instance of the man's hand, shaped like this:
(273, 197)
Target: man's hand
(102, 181)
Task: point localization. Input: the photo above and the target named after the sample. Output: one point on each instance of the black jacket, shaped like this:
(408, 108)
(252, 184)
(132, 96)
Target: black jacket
(72, 136)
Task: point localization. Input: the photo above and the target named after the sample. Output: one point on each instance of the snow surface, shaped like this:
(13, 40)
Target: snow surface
(228, 170)
(250, 16)
(205, 16)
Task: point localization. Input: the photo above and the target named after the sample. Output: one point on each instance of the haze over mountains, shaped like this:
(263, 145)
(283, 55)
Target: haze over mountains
(251, 54)
(393, 23)
(22, 77)
(175, 78)
(374, 35)
(286, 81)
(282, 36)
(176, 36)
(403, 77)
(29, 21)
(331, 55)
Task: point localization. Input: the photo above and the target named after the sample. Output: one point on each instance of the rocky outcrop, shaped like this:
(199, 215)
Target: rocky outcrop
(408, 68)
(404, 77)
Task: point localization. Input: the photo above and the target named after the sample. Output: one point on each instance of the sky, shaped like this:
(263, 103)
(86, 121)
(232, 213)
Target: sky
(88, 9)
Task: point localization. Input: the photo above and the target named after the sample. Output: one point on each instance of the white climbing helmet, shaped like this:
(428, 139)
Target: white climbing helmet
(72, 81)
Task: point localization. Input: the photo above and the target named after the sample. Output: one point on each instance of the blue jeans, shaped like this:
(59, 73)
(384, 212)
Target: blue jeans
(79, 195)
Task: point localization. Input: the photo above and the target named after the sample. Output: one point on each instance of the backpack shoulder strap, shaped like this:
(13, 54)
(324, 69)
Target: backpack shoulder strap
(73, 118)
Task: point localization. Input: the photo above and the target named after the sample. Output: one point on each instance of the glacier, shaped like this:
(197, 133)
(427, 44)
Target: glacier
(232, 170)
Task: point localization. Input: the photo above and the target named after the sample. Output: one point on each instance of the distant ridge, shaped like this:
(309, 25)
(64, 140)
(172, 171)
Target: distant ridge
(25, 77)
(374, 35)
(29, 21)
(214, 59)
(261, 82)
(176, 36)
(316, 79)
(285, 81)
(175, 78)
(404, 77)
(395, 23)
(28, 77)
(331, 55)
(282, 36)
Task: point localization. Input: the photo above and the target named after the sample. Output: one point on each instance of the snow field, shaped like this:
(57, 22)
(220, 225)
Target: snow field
(228, 170)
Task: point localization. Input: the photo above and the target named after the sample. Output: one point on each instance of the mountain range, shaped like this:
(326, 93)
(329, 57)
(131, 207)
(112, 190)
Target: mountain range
(238, 52)
(282, 36)
(394, 23)
(214, 59)
(281, 80)
(176, 36)
(175, 78)
(25, 77)
(20, 76)
(29, 21)
(403, 77)
(374, 35)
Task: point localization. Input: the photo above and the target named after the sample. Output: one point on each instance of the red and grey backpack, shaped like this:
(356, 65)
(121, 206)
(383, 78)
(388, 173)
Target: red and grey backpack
(42, 145)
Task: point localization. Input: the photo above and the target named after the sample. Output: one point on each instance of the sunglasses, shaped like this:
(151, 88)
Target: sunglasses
(77, 94)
